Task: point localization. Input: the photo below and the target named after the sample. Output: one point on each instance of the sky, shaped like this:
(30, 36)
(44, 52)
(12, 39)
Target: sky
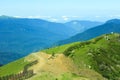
(62, 10)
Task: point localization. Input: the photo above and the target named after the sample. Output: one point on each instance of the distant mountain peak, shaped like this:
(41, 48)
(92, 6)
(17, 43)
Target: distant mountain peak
(116, 21)
(5, 17)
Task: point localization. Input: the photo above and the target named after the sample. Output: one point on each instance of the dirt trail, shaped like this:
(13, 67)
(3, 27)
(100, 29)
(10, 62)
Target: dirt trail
(54, 64)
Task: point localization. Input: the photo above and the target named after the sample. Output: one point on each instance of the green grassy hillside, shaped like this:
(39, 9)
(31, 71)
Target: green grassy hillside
(100, 54)
(97, 59)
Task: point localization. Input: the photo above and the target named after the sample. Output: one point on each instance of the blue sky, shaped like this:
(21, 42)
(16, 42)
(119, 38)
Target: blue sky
(62, 10)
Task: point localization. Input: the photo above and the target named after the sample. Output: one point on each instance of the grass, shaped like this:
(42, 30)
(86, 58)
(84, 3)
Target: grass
(58, 49)
(13, 67)
(100, 55)
(65, 76)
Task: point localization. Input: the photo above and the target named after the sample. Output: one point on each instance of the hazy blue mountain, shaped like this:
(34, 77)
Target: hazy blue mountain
(81, 26)
(110, 26)
(20, 36)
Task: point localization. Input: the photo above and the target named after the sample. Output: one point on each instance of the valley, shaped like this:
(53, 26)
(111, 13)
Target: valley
(21, 36)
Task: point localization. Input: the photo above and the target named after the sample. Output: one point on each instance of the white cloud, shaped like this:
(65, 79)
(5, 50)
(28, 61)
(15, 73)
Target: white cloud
(53, 19)
(112, 16)
(30, 17)
(65, 18)
(17, 16)
(33, 17)
(45, 16)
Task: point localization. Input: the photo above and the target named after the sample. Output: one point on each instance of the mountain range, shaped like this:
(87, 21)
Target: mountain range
(21, 36)
(81, 26)
(111, 26)
(33, 49)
